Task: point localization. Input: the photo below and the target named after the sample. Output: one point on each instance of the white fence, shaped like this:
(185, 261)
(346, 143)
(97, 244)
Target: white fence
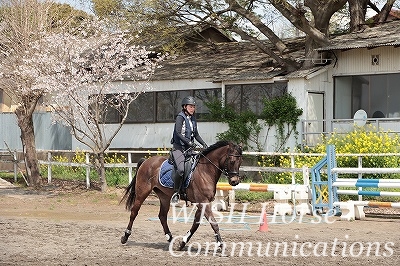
(130, 164)
(6, 157)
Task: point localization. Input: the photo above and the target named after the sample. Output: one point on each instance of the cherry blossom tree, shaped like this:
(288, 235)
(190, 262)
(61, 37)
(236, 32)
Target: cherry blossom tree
(88, 87)
(22, 25)
(77, 72)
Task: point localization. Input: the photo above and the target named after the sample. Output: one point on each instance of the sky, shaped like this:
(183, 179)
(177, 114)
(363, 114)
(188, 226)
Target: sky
(78, 4)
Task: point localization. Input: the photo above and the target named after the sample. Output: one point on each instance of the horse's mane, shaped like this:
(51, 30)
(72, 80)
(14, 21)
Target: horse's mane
(217, 145)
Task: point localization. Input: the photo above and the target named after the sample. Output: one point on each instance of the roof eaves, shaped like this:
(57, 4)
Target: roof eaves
(384, 34)
(306, 73)
(248, 76)
(358, 46)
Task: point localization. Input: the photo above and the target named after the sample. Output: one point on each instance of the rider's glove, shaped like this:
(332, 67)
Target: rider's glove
(192, 145)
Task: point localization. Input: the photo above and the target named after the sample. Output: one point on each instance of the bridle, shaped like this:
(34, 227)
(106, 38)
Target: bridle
(225, 171)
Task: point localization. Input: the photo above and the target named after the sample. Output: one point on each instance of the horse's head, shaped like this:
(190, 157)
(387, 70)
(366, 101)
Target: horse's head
(232, 164)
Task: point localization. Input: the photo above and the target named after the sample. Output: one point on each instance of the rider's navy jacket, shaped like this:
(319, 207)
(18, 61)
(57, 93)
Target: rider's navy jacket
(183, 133)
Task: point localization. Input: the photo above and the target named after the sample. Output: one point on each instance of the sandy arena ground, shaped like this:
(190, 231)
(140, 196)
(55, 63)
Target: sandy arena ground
(76, 226)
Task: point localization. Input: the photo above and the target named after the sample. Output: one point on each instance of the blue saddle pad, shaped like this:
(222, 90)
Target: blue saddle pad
(165, 176)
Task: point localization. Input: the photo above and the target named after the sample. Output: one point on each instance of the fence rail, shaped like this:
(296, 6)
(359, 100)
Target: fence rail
(6, 157)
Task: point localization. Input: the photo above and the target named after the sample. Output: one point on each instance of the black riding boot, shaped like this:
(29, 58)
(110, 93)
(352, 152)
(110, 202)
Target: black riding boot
(177, 186)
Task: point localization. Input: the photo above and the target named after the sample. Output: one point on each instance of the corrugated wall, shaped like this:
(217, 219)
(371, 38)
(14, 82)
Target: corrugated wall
(359, 61)
(48, 136)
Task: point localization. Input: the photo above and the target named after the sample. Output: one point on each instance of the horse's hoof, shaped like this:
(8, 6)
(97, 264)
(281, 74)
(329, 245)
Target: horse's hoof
(169, 237)
(124, 239)
(182, 245)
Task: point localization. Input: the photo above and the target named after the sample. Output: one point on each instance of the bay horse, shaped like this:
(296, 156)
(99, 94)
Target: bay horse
(223, 157)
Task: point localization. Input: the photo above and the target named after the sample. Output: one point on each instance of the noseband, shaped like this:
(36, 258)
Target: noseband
(225, 171)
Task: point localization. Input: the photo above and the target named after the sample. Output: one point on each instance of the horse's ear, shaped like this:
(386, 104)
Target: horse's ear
(241, 144)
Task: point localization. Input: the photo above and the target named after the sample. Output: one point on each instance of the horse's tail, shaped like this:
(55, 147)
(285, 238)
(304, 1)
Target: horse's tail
(129, 195)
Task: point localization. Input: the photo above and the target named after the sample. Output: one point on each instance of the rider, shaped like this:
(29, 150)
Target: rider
(185, 132)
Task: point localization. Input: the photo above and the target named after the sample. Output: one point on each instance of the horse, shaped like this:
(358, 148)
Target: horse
(223, 157)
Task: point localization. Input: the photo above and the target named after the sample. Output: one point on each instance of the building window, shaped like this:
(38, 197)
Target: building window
(202, 97)
(165, 105)
(169, 104)
(378, 95)
(150, 107)
(251, 96)
(102, 109)
(142, 109)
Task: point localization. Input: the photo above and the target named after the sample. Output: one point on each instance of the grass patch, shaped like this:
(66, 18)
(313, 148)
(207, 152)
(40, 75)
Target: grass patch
(252, 196)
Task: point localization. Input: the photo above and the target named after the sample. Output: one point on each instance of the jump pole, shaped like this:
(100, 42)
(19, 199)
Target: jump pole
(254, 187)
(282, 193)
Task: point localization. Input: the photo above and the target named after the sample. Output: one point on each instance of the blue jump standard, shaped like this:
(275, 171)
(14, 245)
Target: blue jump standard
(367, 183)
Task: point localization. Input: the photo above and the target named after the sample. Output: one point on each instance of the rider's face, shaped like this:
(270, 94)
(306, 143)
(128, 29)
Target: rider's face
(190, 108)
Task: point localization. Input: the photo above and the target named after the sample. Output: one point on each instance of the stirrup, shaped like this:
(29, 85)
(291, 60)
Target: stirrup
(175, 198)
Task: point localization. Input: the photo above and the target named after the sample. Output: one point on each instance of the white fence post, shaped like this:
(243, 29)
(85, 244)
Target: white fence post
(15, 167)
(87, 171)
(360, 176)
(130, 167)
(49, 168)
(292, 164)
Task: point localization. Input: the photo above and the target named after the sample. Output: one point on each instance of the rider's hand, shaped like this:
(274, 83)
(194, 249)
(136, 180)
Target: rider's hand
(192, 145)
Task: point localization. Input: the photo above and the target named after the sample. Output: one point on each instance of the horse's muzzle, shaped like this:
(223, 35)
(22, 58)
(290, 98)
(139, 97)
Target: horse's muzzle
(234, 180)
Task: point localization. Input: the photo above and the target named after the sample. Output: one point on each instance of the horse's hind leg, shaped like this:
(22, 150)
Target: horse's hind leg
(163, 213)
(134, 212)
(139, 199)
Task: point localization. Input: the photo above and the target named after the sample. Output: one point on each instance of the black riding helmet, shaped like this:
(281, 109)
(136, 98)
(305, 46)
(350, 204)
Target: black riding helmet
(188, 100)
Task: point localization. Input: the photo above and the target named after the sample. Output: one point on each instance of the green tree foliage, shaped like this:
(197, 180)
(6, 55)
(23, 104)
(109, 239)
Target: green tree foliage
(152, 20)
(64, 16)
(282, 112)
(107, 8)
(243, 127)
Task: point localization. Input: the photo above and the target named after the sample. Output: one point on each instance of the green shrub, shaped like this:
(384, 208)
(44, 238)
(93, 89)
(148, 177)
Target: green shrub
(116, 176)
(370, 141)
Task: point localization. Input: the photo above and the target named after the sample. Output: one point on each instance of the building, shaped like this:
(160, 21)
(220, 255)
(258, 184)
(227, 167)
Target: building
(361, 72)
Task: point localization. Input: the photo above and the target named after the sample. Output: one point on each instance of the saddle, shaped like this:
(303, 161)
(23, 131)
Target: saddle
(190, 163)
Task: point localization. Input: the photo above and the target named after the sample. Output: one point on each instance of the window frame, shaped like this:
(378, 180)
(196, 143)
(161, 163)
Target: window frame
(354, 92)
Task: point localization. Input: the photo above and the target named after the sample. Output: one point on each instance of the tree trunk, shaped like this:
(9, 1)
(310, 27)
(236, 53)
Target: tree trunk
(358, 9)
(322, 12)
(99, 164)
(384, 13)
(25, 123)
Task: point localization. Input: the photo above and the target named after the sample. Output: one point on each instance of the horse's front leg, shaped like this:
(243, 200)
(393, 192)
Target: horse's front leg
(214, 225)
(196, 223)
(204, 209)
